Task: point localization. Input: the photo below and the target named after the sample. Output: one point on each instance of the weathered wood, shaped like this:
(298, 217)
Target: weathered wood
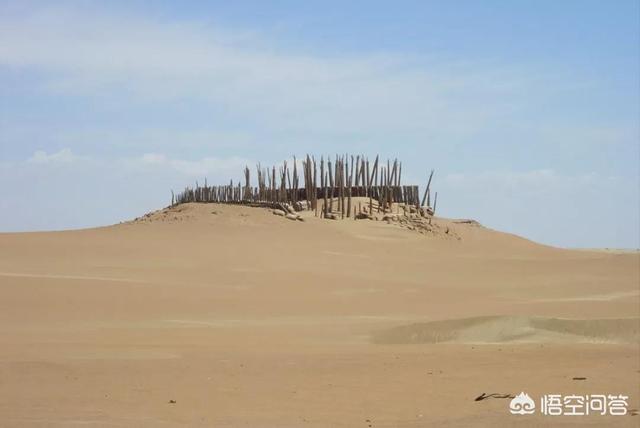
(330, 173)
(315, 187)
(349, 188)
(426, 191)
(340, 181)
(368, 182)
(375, 172)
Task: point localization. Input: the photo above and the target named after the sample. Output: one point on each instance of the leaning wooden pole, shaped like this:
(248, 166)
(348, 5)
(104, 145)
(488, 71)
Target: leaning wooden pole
(426, 191)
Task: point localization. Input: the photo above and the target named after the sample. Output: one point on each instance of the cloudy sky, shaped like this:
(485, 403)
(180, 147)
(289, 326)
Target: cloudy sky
(527, 110)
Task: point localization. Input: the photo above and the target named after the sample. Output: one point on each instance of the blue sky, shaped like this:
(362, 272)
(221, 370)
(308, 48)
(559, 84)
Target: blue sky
(528, 110)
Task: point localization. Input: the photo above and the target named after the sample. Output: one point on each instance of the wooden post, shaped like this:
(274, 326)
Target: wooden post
(343, 174)
(324, 192)
(330, 171)
(367, 183)
(349, 183)
(315, 187)
(426, 191)
(295, 181)
(374, 175)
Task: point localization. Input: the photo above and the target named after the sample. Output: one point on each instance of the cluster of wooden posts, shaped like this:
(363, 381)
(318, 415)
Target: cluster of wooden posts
(340, 181)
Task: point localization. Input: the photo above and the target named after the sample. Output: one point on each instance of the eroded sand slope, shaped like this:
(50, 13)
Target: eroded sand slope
(244, 318)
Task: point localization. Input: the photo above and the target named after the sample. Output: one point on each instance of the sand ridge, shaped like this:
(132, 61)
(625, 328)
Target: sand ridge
(509, 329)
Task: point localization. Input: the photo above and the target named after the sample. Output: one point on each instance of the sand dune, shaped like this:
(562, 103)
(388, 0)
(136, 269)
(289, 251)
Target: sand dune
(500, 329)
(244, 318)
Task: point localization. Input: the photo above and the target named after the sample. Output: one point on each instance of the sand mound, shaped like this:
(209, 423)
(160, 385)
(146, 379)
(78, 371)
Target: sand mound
(400, 217)
(503, 329)
(177, 213)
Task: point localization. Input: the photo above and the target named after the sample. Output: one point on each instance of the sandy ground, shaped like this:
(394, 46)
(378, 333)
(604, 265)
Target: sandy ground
(246, 319)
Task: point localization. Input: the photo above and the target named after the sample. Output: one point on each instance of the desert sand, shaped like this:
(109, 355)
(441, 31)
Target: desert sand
(230, 316)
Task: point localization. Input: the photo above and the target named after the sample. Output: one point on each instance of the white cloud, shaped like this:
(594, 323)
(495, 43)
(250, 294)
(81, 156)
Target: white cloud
(63, 156)
(216, 167)
(204, 167)
(533, 180)
(153, 158)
